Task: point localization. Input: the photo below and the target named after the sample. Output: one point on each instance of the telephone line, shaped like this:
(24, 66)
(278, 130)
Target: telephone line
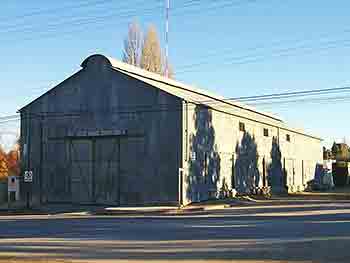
(92, 19)
(169, 108)
(53, 10)
(248, 100)
(59, 115)
(88, 21)
(242, 60)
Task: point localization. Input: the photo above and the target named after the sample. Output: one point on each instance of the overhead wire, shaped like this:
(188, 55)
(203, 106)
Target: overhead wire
(289, 49)
(232, 61)
(97, 19)
(127, 12)
(52, 10)
(285, 52)
(263, 46)
(82, 21)
(249, 100)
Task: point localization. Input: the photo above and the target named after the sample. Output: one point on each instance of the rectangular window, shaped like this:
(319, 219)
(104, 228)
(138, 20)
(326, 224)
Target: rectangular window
(288, 137)
(241, 126)
(266, 132)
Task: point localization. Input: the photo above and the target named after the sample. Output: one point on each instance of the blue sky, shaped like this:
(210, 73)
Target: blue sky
(43, 42)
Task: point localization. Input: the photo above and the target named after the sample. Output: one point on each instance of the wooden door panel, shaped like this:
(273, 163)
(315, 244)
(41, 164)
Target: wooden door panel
(81, 170)
(106, 170)
(134, 187)
(56, 179)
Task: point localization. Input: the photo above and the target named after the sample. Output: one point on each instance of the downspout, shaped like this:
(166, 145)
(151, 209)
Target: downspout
(41, 172)
(28, 168)
(183, 170)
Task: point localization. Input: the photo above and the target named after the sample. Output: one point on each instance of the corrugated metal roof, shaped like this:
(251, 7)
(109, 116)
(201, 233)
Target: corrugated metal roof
(191, 94)
(184, 91)
(200, 96)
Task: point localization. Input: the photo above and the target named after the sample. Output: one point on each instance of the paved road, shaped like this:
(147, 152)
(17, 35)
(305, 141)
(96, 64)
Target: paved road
(263, 232)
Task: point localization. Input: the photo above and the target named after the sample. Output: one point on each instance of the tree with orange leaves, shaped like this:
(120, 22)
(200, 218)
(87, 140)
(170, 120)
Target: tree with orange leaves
(9, 162)
(13, 162)
(3, 165)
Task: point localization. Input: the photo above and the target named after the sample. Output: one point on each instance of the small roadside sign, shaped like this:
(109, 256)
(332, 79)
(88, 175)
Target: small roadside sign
(28, 176)
(12, 185)
(193, 156)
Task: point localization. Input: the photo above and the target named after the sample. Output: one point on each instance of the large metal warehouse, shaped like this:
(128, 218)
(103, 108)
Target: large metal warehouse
(118, 135)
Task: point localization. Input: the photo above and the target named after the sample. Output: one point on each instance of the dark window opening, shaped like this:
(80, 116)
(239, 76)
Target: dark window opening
(288, 137)
(266, 132)
(233, 185)
(241, 126)
(264, 172)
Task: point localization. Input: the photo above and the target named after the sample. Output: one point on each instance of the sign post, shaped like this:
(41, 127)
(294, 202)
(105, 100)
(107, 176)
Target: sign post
(12, 189)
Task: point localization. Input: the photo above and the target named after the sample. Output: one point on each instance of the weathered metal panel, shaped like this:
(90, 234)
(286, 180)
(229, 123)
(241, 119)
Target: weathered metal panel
(81, 169)
(96, 105)
(215, 135)
(135, 186)
(106, 170)
(56, 173)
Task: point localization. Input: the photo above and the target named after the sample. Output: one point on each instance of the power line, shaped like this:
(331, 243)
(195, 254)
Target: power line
(169, 107)
(262, 47)
(175, 108)
(236, 60)
(294, 93)
(9, 117)
(92, 20)
(64, 34)
(307, 100)
(81, 21)
(324, 48)
(285, 52)
(54, 10)
(213, 6)
(12, 120)
(250, 100)
(245, 99)
(246, 59)
(172, 108)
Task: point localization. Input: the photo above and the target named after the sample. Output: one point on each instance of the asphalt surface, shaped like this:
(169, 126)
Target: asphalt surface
(303, 231)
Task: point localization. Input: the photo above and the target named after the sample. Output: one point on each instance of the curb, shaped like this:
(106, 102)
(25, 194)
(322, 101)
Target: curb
(189, 210)
(130, 212)
(22, 213)
(217, 207)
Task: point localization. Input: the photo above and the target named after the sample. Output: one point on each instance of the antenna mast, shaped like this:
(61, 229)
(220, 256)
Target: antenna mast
(167, 38)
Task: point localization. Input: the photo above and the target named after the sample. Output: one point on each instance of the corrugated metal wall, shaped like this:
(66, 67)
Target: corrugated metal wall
(102, 139)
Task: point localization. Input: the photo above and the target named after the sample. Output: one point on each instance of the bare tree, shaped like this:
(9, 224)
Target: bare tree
(151, 58)
(133, 45)
(145, 52)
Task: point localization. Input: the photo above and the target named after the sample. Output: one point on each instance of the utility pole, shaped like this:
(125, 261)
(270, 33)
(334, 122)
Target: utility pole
(167, 38)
